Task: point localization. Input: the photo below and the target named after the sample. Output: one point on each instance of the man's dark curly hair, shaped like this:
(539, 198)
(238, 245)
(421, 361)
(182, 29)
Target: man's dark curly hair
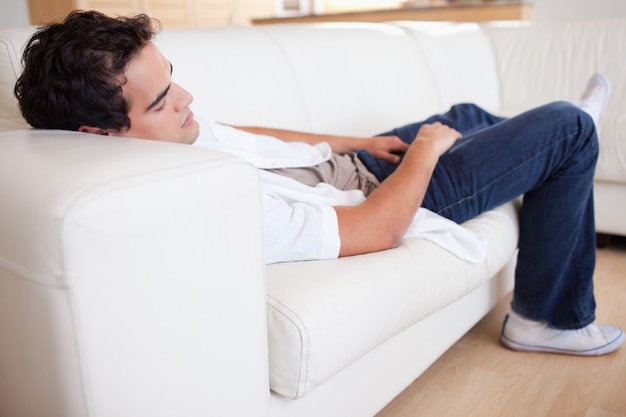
(73, 71)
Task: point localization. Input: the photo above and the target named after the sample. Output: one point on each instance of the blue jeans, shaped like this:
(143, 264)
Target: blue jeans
(548, 155)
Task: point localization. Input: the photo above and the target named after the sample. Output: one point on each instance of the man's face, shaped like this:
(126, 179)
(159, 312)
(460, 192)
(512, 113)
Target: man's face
(158, 108)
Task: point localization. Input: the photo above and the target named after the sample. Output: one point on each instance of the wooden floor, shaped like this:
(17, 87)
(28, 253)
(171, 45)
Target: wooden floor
(478, 377)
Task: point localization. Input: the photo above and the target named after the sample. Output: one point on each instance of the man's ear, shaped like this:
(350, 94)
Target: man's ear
(96, 130)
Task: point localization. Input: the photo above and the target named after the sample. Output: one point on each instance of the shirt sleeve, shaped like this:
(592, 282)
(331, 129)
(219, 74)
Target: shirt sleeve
(298, 231)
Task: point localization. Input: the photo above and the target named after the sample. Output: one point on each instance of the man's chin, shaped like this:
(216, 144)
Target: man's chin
(193, 134)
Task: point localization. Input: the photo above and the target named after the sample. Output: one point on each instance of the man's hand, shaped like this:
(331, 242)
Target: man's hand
(439, 135)
(386, 148)
(389, 148)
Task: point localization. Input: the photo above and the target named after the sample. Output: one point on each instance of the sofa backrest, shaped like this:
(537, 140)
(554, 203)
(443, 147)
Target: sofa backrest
(345, 78)
(327, 78)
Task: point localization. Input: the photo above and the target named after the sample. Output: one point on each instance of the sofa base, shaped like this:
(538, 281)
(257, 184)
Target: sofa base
(370, 383)
(610, 200)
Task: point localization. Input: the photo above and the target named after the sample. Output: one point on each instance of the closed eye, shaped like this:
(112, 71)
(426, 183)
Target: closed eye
(162, 106)
(161, 96)
(159, 99)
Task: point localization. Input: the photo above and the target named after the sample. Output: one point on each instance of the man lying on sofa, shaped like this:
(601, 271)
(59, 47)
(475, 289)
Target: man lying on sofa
(330, 196)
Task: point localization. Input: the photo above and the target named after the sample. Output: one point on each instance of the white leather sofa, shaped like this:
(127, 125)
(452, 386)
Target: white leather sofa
(131, 273)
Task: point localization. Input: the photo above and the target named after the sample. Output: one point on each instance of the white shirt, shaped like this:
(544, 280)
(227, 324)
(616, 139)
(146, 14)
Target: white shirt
(299, 221)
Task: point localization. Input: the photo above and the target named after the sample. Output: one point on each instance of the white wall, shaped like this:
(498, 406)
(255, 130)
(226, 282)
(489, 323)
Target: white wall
(552, 10)
(14, 13)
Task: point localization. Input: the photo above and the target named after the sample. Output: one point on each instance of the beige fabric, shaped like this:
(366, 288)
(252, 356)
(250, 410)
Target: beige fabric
(343, 171)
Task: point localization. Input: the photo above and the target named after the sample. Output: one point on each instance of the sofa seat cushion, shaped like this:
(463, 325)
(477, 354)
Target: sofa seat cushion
(324, 315)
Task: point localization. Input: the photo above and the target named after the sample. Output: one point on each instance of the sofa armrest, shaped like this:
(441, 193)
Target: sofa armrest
(131, 279)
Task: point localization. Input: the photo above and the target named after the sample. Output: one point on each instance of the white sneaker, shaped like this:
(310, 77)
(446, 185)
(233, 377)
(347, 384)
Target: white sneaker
(519, 333)
(595, 98)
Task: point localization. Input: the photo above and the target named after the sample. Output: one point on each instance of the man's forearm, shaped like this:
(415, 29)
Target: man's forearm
(386, 148)
(380, 222)
(339, 144)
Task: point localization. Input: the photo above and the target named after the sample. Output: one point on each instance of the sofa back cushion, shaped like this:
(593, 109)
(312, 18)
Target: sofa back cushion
(12, 41)
(546, 62)
(378, 75)
(343, 78)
